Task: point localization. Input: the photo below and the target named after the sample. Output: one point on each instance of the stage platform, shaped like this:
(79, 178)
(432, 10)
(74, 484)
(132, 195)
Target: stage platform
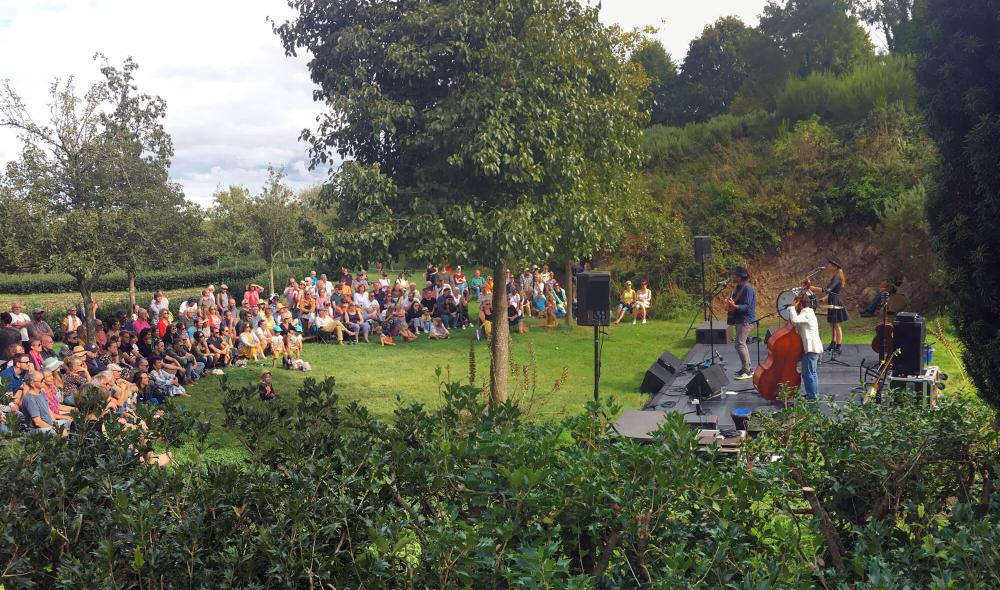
(840, 382)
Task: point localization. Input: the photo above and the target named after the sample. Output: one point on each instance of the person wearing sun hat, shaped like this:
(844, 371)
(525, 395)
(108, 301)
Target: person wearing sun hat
(836, 311)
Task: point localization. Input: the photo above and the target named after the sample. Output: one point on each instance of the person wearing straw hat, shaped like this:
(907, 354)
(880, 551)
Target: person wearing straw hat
(836, 311)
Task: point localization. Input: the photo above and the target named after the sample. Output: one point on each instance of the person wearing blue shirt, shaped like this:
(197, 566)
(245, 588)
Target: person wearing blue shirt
(743, 305)
(16, 374)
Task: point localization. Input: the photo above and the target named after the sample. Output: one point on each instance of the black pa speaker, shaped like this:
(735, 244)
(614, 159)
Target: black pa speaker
(707, 382)
(660, 373)
(702, 249)
(593, 298)
(908, 332)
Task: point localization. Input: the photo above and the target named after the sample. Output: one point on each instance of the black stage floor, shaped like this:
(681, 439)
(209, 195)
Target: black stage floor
(840, 381)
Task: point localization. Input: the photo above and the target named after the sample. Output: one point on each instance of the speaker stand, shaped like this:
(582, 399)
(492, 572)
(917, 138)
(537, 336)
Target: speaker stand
(597, 362)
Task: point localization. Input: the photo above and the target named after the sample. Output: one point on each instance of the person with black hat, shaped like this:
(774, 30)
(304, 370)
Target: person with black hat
(836, 312)
(743, 307)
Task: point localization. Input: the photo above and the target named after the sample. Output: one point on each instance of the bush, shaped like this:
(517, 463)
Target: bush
(471, 496)
(177, 278)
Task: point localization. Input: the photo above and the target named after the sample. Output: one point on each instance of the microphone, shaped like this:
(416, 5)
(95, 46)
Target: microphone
(722, 283)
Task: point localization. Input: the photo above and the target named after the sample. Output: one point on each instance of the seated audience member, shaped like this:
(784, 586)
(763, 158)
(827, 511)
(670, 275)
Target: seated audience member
(164, 381)
(17, 373)
(35, 406)
(35, 353)
(250, 346)
(626, 302)
(264, 389)
(438, 330)
(485, 319)
(38, 327)
(643, 301)
(75, 377)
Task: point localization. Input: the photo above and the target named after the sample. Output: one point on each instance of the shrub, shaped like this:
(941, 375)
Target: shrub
(471, 496)
(178, 278)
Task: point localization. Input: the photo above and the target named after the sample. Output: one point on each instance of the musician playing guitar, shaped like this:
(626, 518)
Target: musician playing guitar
(804, 319)
(742, 307)
(836, 312)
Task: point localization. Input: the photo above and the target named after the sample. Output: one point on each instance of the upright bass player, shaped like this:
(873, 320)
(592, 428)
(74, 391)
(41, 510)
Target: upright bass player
(804, 319)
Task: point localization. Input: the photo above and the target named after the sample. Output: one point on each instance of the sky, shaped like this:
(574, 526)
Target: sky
(235, 102)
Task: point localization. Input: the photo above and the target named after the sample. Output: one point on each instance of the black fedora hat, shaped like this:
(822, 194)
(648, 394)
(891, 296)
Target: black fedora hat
(741, 273)
(835, 261)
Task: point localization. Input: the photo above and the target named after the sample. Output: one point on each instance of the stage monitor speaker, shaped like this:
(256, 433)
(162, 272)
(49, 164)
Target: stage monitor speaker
(669, 362)
(908, 333)
(656, 377)
(702, 249)
(593, 298)
(708, 382)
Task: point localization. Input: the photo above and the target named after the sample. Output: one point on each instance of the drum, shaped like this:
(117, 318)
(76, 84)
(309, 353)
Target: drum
(787, 298)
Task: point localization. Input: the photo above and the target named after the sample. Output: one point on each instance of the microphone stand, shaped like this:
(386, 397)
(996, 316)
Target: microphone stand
(757, 331)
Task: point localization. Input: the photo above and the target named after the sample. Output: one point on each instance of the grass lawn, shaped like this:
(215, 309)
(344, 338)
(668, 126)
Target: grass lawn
(382, 378)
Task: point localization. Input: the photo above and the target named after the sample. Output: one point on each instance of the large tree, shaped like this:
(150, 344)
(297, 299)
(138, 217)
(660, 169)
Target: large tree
(958, 70)
(660, 98)
(713, 70)
(472, 124)
(91, 186)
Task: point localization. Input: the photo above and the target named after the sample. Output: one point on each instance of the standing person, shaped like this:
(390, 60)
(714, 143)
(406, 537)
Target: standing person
(804, 319)
(222, 297)
(743, 305)
(159, 304)
(836, 312)
(627, 302)
(20, 321)
(71, 323)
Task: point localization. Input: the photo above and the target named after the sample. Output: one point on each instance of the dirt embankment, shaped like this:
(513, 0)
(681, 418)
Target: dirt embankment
(800, 253)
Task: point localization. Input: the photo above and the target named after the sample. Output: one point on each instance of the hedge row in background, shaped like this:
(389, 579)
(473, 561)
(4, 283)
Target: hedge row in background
(178, 278)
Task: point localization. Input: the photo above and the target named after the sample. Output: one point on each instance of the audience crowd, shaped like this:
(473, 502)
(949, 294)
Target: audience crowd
(153, 353)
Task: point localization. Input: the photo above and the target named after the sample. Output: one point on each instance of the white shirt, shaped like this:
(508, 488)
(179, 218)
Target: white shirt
(361, 299)
(808, 328)
(21, 317)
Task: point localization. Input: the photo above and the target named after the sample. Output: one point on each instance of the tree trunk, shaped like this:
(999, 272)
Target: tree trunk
(270, 275)
(570, 288)
(86, 288)
(131, 291)
(500, 339)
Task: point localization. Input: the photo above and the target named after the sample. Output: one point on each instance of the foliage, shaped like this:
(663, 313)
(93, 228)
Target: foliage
(957, 59)
(659, 99)
(175, 278)
(90, 180)
(894, 18)
(851, 96)
(470, 495)
(713, 70)
(880, 491)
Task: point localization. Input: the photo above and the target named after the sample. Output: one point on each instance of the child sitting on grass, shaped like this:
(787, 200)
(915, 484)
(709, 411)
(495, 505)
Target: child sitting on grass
(438, 331)
(264, 388)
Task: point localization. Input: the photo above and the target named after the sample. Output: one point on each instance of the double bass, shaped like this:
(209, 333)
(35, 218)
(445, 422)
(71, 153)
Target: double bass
(784, 352)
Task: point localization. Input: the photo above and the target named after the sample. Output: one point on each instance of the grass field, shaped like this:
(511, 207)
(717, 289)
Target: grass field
(553, 375)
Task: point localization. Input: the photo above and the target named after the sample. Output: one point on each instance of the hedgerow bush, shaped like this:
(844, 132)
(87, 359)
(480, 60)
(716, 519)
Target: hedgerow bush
(178, 278)
(472, 496)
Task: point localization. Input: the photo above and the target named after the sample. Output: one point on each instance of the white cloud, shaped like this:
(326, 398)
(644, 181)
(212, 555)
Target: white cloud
(235, 102)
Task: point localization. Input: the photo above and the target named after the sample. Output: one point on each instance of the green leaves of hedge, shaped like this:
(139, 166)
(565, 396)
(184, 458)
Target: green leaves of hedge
(180, 278)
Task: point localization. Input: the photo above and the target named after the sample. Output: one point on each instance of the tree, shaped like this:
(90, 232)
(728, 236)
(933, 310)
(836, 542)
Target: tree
(273, 219)
(230, 225)
(473, 126)
(816, 35)
(894, 18)
(88, 181)
(713, 70)
(957, 61)
(660, 98)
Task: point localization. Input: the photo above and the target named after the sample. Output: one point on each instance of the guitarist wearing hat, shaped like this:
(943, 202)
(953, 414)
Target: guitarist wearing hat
(742, 307)
(836, 312)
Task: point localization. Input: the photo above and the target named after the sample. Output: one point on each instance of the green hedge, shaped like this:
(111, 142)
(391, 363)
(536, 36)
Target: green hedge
(146, 281)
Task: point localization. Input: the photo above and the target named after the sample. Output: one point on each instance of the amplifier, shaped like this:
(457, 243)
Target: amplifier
(922, 388)
(709, 331)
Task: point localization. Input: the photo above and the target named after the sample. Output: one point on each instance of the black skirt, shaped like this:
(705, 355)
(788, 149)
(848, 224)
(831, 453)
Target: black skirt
(836, 316)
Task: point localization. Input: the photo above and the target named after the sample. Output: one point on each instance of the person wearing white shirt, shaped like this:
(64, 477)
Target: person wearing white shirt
(19, 320)
(803, 318)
